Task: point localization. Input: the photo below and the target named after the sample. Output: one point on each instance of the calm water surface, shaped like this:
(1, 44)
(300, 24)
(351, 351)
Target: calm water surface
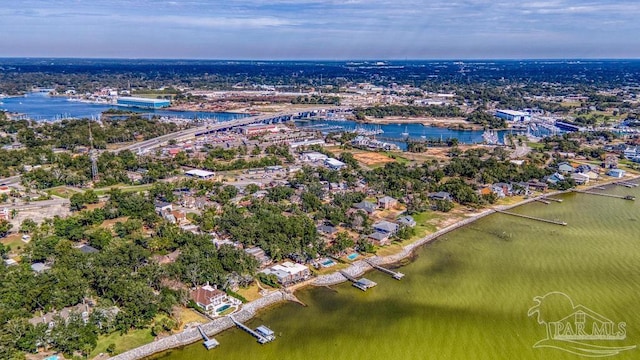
(467, 295)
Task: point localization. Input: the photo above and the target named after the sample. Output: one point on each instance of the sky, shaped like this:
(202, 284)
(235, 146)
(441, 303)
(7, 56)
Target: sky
(320, 29)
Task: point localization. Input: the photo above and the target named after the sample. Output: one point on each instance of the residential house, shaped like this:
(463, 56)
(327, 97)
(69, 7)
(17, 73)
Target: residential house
(259, 254)
(39, 267)
(555, 178)
(386, 227)
(367, 206)
(387, 202)
(380, 238)
(162, 206)
(565, 168)
(288, 272)
(208, 297)
(87, 249)
(407, 220)
(580, 178)
(441, 195)
(327, 230)
(616, 173)
(610, 161)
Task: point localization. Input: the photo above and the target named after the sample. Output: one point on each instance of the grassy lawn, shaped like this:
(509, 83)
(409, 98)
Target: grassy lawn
(14, 241)
(250, 293)
(535, 145)
(132, 339)
(123, 188)
(63, 191)
(191, 316)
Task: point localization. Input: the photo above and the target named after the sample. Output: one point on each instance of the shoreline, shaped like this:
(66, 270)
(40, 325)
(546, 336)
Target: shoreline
(356, 269)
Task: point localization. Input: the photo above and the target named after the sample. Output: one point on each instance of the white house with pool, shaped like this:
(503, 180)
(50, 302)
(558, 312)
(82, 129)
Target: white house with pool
(214, 301)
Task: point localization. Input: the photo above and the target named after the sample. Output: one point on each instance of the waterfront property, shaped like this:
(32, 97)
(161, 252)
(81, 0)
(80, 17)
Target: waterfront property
(288, 272)
(211, 300)
(143, 103)
(511, 115)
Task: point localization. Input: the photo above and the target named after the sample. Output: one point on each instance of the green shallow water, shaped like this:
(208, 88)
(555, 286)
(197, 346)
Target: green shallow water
(466, 296)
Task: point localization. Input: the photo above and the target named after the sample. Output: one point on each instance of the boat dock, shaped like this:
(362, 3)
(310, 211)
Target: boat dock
(533, 218)
(546, 202)
(626, 197)
(553, 199)
(262, 333)
(208, 343)
(362, 284)
(627, 184)
(396, 275)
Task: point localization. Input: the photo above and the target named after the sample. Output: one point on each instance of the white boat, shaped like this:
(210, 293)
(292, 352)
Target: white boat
(406, 132)
(490, 137)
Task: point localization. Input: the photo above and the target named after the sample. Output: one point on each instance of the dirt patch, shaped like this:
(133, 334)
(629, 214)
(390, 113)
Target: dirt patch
(372, 158)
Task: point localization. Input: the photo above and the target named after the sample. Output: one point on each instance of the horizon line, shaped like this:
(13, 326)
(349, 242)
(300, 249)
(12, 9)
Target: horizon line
(322, 59)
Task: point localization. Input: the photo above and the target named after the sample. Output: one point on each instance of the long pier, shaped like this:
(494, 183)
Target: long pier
(626, 197)
(553, 199)
(546, 202)
(395, 274)
(208, 343)
(533, 218)
(261, 339)
(627, 184)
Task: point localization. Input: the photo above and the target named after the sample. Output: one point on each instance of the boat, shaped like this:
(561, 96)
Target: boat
(406, 132)
(490, 137)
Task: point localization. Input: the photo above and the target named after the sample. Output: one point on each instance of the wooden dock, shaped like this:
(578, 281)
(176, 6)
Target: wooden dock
(599, 188)
(533, 218)
(208, 343)
(546, 202)
(626, 197)
(262, 339)
(627, 184)
(362, 284)
(553, 199)
(395, 274)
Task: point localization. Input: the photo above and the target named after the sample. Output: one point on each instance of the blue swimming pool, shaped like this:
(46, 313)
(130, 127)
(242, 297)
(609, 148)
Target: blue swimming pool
(52, 357)
(328, 263)
(223, 307)
(352, 256)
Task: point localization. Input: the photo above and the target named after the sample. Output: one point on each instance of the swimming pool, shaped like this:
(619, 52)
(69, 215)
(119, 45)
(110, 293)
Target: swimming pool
(352, 256)
(52, 357)
(328, 263)
(223, 308)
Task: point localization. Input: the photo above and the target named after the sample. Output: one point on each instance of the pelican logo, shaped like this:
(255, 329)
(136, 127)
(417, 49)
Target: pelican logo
(576, 329)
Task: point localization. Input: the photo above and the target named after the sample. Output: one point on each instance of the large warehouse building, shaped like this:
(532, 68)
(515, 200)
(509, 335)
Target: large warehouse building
(511, 115)
(143, 103)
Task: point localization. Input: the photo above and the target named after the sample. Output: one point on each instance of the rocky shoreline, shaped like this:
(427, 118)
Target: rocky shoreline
(357, 268)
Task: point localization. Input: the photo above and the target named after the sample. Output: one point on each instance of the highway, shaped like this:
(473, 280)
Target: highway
(155, 142)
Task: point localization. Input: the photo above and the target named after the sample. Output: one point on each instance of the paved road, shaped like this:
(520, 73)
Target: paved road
(36, 204)
(155, 142)
(13, 180)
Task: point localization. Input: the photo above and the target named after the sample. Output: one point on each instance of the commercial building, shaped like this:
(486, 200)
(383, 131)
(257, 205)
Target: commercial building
(201, 174)
(256, 129)
(511, 115)
(143, 103)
